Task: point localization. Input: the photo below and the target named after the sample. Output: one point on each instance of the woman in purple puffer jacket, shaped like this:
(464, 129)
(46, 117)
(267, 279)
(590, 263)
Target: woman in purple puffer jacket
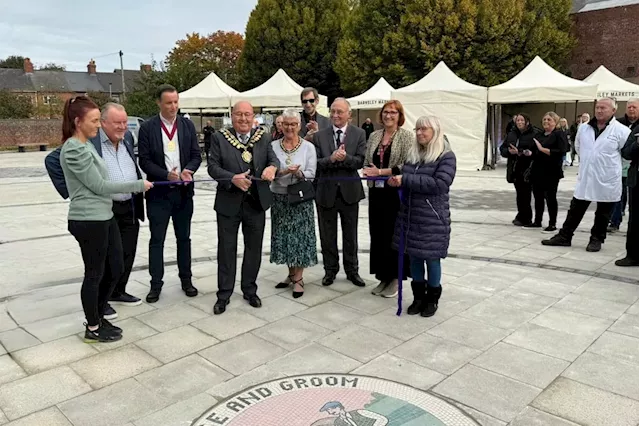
(424, 218)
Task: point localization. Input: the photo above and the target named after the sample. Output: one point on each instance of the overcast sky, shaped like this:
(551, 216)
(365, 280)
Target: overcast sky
(71, 32)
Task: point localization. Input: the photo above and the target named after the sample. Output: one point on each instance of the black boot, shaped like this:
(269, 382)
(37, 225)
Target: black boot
(418, 288)
(431, 301)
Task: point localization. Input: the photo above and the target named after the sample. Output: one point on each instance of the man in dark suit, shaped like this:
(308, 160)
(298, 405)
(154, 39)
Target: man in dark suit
(168, 151)
(114, 143)
(341, 150)
(208, 135)
(310, 120)
(237, 155)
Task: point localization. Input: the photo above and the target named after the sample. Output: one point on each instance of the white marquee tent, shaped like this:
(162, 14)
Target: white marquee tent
(210, 93)
(374, 98)
(539, 82)
(279, 91)
(610, 85)
(460, 106)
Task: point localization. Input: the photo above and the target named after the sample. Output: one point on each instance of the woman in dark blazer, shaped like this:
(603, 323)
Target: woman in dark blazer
(424, 220)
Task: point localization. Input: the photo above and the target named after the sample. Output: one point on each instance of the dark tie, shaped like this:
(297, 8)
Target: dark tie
(338, 134)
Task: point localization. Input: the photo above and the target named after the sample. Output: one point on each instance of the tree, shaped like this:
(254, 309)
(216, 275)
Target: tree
(13, 61)
(141, 102)
(52, 67)
(99, 98)
(196, 56)
(299, 36)
(485, 42)
(14, 105)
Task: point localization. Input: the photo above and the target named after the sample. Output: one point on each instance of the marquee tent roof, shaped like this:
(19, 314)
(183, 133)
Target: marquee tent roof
(211, 92)
(374, 98)
(539, 82)
(610, 85)
(279, 91)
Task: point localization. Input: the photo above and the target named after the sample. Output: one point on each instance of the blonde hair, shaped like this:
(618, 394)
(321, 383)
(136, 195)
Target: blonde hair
(435, 148)
(555, 117)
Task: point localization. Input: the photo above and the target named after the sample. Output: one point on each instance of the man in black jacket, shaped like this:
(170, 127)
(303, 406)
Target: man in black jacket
(237, 155)
(168, 150)
(207, 131)
(311, 121)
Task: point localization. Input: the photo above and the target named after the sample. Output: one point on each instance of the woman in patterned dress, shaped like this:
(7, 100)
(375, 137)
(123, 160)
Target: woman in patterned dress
(293, 235)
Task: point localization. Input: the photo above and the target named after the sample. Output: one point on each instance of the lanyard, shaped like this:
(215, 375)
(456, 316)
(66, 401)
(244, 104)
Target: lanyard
(171, 134)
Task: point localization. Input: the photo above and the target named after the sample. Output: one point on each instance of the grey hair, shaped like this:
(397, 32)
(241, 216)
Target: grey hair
(632, 100)
(108, 107)
(290, 113)
(435, 148)
(612, 101)
(342, 100)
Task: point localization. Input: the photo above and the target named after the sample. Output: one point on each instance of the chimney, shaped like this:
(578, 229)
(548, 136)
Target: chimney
(91, 67)
(145, 67)
(28, 66)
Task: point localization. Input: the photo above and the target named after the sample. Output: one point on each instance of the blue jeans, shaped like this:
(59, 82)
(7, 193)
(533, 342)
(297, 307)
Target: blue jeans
(434, 270)
(619, 207)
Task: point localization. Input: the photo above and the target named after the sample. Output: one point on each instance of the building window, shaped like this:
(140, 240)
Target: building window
(589, 61)
(631, 70)
(47, 100)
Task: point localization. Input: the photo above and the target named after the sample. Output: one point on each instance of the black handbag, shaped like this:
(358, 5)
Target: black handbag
(526, 176)
(511, 169)
(301, 192)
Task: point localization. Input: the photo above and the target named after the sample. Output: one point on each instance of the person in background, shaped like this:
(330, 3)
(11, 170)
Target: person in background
(630, 153)
(278, 131)
(630, 120)
(311, 121)
(293, 226)
(208, 135)
(598, 143)
(367, 127)
(387, 151)
(546, 171)
(168, 150)
(511, 125)
(424, 220)
(518, 148)
(90, 218)
(563, 126)
(573, 131)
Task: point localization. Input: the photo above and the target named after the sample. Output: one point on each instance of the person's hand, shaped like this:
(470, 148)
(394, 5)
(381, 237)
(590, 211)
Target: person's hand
(371, 171)
(395, 181)
(339, 154)
(293, 169)
(173, 175)
(269, 174)
(312, 126)
(147, 185)
(242, 181)
(512, 149)
(186, 176)
(538, 144)
(527, 152)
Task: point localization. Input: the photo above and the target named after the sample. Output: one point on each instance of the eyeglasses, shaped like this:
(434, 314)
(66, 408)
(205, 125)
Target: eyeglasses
(243, 114)
(308, 101)
(290, 124)
(391, 113)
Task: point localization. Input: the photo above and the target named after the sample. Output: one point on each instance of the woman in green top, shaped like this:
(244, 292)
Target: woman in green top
(90, 218)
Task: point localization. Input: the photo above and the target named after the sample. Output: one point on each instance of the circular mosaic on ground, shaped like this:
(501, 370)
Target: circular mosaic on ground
(333, 400)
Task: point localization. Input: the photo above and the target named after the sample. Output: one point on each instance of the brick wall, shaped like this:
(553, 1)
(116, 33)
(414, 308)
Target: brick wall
(13, 132)
(606, 37)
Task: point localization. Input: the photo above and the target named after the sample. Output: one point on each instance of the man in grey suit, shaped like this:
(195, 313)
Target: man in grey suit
(237, 154)
(310, 120)
(341, 150)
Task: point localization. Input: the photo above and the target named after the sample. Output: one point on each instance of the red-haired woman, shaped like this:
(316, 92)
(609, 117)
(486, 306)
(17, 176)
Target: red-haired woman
(387, 151)
(90, 217)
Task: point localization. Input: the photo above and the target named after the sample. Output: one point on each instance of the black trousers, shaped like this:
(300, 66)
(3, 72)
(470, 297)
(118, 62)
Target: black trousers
(523, 201)
(252, 220)
(632, 231)
(576, 212)
(328, 224)
(178, 207)
(99, 241)
(546, 192)
(129, 228)
(384, 204)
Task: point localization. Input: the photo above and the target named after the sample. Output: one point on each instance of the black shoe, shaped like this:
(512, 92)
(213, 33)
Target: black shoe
(549, 230)
(189, 290)
(516, 222)
(220, 307)
(431, 301)
(124, 299)
(253, 300)
(356, 280)
(532, 226)
(101, 334)
(594, 245)
(106, 324)
(109, 313)
(611, 229)
(154, 295)
(329, 278)
(627, 262)
(298, 294)
(557, 241)
(286, 283)
(418, 288)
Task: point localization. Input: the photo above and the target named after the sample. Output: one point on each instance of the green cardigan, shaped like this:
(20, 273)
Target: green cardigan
(86, 176)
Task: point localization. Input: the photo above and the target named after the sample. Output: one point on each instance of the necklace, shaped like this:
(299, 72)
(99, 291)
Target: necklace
(289, 152)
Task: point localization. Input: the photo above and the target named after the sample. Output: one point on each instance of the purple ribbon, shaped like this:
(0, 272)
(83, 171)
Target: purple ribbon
(401, 241)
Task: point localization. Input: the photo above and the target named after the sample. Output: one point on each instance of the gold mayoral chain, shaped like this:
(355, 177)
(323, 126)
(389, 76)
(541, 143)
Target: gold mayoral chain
(233, 140)
(289, 153)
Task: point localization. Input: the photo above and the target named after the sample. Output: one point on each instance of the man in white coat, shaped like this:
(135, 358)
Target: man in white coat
(599, 177)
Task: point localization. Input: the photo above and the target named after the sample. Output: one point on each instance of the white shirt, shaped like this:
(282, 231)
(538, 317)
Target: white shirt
(600, 172)
(120, 165)
(342, 135)
(171, 158)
